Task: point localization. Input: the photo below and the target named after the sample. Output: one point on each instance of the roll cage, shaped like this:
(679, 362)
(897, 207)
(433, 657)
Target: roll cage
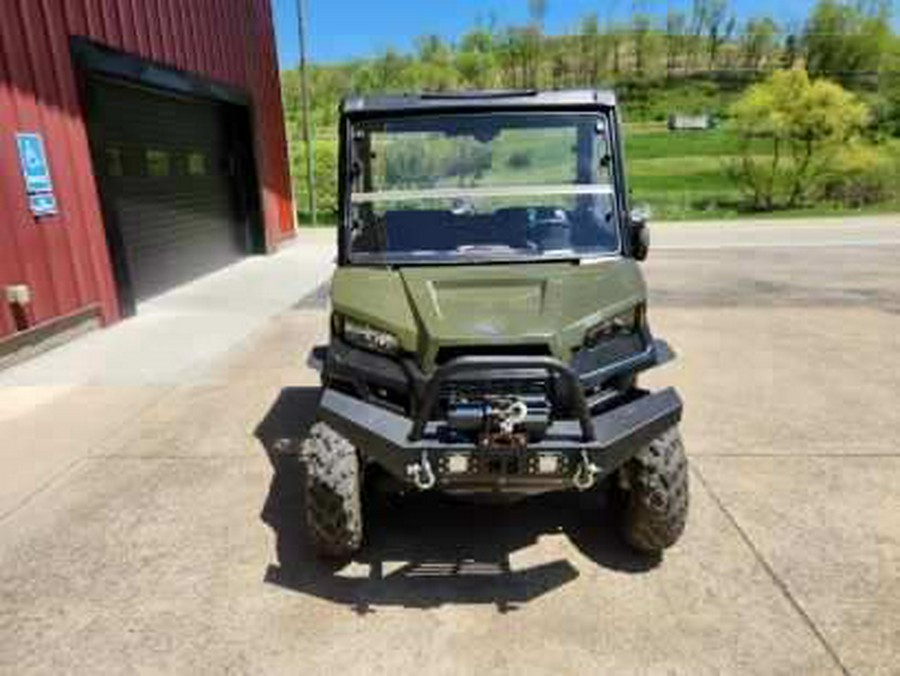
(359, 109)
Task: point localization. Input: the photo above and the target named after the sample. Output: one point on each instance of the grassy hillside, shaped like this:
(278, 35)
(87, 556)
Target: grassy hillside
(681, 175)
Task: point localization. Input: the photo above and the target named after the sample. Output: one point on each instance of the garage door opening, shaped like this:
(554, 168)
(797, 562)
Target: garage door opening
(177, 184)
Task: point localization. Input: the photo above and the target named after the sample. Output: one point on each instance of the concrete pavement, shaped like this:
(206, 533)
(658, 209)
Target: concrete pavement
(763, 233)
(55, 408)
(154, 524)
(175, 336)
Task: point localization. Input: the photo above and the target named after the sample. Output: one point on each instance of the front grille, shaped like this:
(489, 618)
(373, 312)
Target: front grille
(463, 390)
(495, 383)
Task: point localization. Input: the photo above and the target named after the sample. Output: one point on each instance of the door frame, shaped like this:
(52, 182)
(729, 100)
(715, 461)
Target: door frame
(97, 62)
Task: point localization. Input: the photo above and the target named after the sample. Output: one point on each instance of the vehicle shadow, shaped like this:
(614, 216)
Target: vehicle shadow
(425, 550)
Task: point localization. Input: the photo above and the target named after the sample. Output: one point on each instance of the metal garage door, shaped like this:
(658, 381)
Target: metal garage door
(166, 174)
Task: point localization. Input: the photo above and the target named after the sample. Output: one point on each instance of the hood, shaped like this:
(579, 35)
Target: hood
(431, 307)
(550, 304)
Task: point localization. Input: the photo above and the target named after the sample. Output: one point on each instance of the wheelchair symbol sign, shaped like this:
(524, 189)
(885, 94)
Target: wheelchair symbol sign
(33, 159)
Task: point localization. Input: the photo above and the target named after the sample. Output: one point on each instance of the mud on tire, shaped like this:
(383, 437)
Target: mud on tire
(656, 503)
(333, 493)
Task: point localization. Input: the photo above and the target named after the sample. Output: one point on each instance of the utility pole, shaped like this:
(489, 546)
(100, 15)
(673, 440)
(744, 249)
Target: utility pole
(307, 134)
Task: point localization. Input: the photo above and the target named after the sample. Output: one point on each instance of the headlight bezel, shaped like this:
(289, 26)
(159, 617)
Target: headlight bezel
(365, 336)
(628, 323)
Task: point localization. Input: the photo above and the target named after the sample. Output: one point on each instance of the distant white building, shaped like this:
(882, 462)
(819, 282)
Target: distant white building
(678, 122)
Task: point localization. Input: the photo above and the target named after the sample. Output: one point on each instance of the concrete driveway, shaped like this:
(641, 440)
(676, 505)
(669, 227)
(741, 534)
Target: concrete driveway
(154, 523)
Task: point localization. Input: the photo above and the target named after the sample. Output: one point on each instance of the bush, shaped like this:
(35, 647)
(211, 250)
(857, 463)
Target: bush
(861, 174)
(520, 159)
(326, 151)
(806, 124)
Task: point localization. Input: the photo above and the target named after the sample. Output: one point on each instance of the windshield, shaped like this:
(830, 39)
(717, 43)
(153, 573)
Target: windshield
(475, 186)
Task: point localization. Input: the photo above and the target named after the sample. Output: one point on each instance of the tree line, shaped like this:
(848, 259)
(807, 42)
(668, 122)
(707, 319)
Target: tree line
(850, 42)
(660, 62)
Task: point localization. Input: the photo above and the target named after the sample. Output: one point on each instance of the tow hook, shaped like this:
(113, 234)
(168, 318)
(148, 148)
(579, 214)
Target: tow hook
(421, 473)
(586, 474)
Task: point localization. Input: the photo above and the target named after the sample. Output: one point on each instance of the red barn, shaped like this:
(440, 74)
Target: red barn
(142, 144)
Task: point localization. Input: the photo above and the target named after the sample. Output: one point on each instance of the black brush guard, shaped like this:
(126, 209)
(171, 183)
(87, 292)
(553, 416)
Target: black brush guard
(585, 449)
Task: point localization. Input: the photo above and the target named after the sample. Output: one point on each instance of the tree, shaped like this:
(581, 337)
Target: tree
(563, 63)
(531, 42)
(519, 55)
(845, 41)
(758, 42)
(889, 90)
(792, 45)
(476, 59)
(434, 70)
(699, 13)
(615, 38)
(718, 27)
(790, 127)
(534, 37)
(388, 72)
(589, 50)
(433, 49)
(642, 40)
(699, 17)
(676, 25)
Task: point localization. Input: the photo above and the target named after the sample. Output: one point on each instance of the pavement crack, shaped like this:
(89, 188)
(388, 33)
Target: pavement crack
(770, 571)
(69, 468)
(46, 485)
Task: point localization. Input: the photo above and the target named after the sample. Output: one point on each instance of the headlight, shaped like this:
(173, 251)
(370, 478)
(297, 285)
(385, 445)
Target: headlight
(368, 337)
(625, 324)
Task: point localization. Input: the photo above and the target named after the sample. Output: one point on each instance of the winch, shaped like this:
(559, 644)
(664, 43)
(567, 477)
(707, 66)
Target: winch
(501, 417)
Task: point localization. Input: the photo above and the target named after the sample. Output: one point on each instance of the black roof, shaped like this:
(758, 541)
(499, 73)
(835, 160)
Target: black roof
(492, 100)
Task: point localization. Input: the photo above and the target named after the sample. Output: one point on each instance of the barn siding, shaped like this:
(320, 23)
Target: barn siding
(64, 258)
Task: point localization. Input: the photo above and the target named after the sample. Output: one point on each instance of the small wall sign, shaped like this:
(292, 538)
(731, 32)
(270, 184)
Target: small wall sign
(33, 159)
(36, 172)
(42, 204)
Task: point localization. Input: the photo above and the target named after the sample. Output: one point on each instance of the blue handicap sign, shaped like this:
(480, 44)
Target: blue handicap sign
(33, 159)
(43, 204)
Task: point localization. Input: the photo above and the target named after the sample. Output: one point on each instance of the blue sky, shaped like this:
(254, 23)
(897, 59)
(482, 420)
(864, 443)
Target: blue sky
(343, 29)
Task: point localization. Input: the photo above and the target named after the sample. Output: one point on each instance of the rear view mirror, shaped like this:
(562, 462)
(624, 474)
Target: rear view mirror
(639, 232)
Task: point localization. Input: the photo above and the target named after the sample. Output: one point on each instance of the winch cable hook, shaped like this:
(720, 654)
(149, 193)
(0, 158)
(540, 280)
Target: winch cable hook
(516, 413)
(422, 474)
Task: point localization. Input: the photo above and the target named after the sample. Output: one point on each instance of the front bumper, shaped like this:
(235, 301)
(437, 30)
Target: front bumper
(590, 447)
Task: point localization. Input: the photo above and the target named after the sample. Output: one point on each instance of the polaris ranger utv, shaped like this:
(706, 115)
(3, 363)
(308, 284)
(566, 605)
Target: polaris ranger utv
(489, 315)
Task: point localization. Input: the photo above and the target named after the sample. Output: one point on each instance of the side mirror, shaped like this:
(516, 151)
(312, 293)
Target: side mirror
(639, 233)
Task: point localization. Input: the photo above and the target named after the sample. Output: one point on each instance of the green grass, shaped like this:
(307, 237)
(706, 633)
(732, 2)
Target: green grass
(681, 175)
(656, 144)
(713, 180)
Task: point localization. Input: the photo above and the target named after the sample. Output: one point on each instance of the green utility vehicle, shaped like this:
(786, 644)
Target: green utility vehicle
(489, 315)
